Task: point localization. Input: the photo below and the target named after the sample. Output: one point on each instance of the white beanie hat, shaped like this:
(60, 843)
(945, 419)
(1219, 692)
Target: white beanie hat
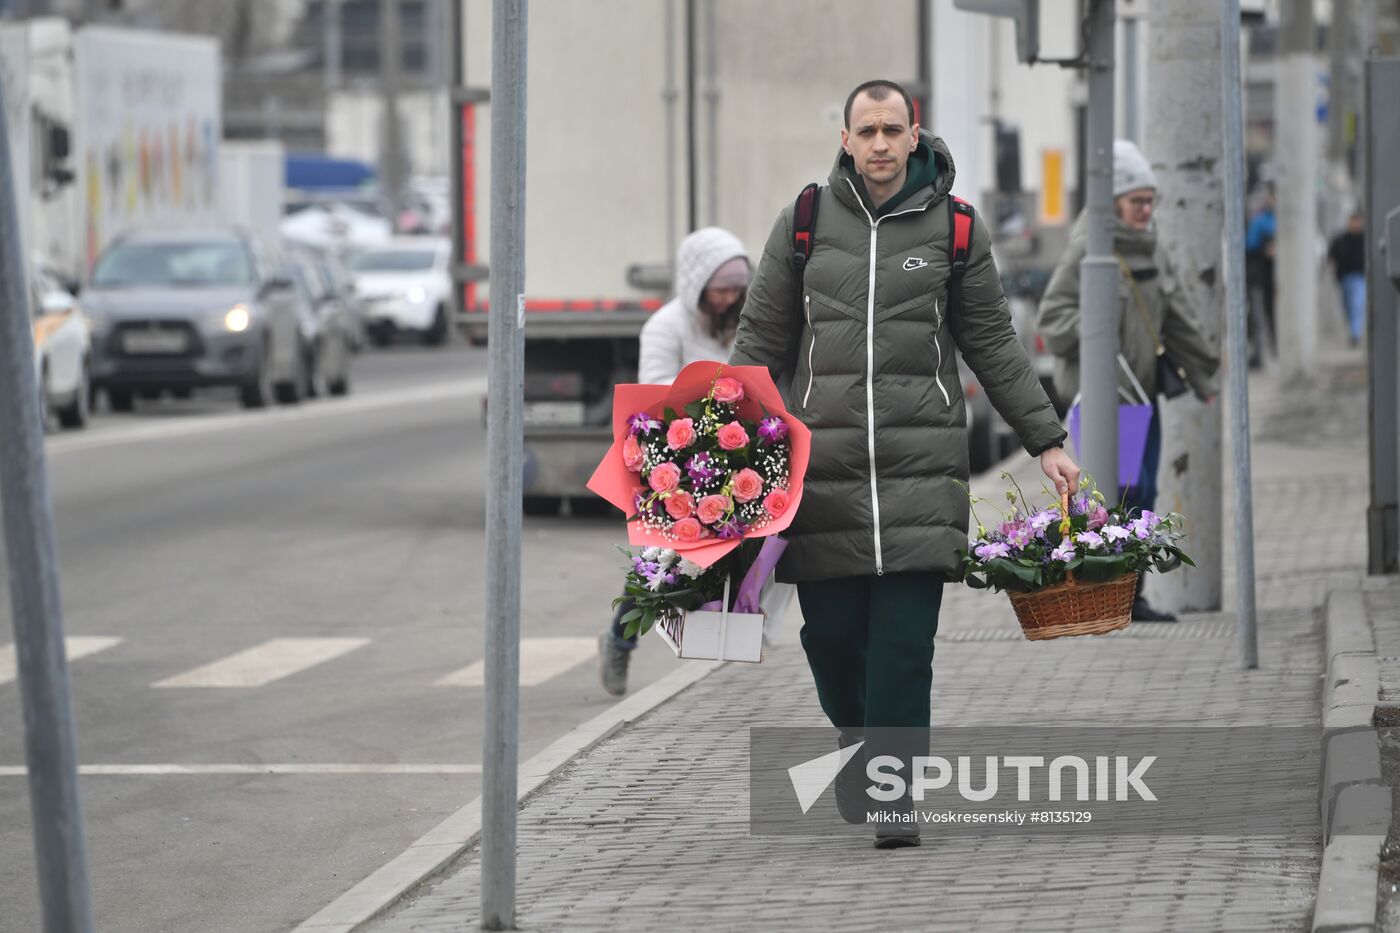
(1130, 169)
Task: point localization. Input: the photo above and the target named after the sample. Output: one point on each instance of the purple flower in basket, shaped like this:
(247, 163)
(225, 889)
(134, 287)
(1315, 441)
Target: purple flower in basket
(1043, 520)
(701, 468)
(1090, 538)
(643, 423)
(1141, 529)
(1098, 518)
(1115, 533)
(1150, 518)
(992, 550)
(1019, 536)
(771, 430)
(1064, 553)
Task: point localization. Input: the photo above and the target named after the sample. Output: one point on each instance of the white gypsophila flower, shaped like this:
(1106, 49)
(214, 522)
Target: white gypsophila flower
(689, 569)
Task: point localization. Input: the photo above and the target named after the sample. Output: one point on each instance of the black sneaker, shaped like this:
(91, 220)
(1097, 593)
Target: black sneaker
(897, 833)
(851, 798)
(1142, 612)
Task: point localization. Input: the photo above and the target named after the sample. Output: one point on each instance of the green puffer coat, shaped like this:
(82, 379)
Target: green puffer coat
(870, 349)
(1166, 307)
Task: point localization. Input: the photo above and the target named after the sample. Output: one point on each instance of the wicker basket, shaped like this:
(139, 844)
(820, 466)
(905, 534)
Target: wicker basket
(1074, 608)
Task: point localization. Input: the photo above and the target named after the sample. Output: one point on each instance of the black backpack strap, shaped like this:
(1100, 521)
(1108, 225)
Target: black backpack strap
(961, 218)
(804, 223)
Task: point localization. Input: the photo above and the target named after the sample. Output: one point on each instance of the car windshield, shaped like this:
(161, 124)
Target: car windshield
(182, 264)
(394, 260)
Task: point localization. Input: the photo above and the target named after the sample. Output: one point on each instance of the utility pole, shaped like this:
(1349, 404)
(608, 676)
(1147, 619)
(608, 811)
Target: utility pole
(332, 52)
(1099, 272)
(391, 158)
(1132, 97)
(1341, 113)
(506, 378)
(1296, 161)
(1183, 142)
(50, 747)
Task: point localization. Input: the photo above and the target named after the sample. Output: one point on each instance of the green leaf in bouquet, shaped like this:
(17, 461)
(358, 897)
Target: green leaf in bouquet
(1096, 568)
(1183, 558)
(695, 410)
(976, 582)
(1166, 563)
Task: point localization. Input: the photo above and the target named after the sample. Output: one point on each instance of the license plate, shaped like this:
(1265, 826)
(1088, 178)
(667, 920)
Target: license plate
(554, 414)
(155, 341)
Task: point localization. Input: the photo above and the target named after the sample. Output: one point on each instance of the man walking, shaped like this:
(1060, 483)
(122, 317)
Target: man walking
(1347, 254)
(867, 335)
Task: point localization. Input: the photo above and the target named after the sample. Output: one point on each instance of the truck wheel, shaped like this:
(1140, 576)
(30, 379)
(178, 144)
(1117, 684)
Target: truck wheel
(541, 505)
(120, 399)
(590, 506)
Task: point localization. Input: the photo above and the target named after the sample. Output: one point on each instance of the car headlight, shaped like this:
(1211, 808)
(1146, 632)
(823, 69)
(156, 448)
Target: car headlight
(237, 319)
(416, 295)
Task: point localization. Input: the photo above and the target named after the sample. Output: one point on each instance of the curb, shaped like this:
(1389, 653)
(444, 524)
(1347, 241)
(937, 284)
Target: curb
(1353, 801)
(436, 851)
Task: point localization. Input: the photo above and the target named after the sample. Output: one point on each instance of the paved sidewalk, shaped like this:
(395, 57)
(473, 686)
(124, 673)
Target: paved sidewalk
(649, 829)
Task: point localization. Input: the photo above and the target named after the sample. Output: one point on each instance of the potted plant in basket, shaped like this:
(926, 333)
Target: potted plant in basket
(1071, 568)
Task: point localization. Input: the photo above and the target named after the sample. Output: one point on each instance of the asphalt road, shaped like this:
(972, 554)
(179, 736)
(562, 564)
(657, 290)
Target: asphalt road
(286, 590)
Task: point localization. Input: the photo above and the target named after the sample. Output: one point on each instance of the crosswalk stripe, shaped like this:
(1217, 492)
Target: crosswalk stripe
(540, 659)
(262, 664)
(157, 770)
(78, 646)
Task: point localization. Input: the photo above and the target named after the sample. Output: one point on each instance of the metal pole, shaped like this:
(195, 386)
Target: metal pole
(711, 117)
(1236, 338)
(334, 46)
(1382, 129)
(692, 220)
(1098, 275)
(1130, 79)
(504, 431)
(671, 94)
(1296, 154)
(456, 79)
(36, 612)
(391, 167)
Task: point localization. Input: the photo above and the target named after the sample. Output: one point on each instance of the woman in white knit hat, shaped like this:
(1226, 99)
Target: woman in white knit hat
(712, 277)
(1153, 316)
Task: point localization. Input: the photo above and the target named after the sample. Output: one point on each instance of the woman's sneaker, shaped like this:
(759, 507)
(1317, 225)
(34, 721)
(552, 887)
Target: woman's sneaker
(613, 657)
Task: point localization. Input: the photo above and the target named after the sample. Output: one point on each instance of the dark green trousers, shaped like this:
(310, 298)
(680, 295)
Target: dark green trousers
(869, 642)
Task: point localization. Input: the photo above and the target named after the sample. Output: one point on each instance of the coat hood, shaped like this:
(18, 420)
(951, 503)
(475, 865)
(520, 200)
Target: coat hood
(697, 258)
(930, 166)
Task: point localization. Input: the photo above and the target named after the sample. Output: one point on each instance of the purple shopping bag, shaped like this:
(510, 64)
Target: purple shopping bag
(1133, 424)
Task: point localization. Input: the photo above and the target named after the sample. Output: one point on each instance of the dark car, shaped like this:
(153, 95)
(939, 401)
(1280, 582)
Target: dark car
(184, 310)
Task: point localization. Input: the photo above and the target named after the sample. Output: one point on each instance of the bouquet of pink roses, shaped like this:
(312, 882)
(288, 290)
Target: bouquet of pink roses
(705, 462)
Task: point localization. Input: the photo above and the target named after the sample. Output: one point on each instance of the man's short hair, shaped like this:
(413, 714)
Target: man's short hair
(879, 89)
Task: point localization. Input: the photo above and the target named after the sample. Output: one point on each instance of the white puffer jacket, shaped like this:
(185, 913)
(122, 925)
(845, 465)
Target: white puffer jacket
(676, 335)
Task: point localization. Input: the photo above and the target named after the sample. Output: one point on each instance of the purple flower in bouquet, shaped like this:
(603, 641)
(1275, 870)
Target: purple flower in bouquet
(1150, 518)
(1043, 520)
(992, 549)
(731, 529)
(643, 423)
(1090, 538)
(1019, 536)
(1140, 529)
(1065, 552)
(701, 468)
(1081, 506)
(771, 430)
(1116, 533)
(1098, 518)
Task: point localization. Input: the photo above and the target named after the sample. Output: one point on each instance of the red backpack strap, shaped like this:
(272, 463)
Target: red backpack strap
(961, 217)
(804, 222)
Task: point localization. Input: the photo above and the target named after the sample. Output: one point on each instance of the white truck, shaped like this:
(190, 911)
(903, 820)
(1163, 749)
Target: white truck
(109, 129)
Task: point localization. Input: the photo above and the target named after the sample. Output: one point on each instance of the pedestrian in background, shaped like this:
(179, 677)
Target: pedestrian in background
(1259, 246)
(1153, 315)
(1348, 257)
(699, 323)
(867, 337)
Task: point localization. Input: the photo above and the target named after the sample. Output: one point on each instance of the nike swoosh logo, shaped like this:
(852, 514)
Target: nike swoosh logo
(912, 263)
